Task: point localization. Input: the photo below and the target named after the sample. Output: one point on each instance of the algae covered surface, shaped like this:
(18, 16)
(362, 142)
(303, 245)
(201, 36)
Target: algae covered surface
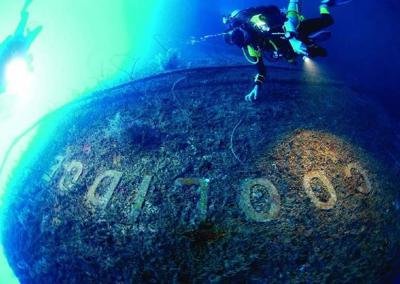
(175, 178)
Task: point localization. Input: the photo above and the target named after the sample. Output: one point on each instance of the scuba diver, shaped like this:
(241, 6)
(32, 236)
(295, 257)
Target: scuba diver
(17, 44)
(267, 29)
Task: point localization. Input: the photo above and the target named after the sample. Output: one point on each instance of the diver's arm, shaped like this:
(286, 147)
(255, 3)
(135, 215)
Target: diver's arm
(292, 16)
(258, 81)
(291, 25)
(262, 72)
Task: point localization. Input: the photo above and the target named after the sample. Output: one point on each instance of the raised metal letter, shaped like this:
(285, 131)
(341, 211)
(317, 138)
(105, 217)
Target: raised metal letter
(308, 187)
(74, 168)
(54, 168)
(203, 187)
(101, 202)
(247, 207)
(140, 196)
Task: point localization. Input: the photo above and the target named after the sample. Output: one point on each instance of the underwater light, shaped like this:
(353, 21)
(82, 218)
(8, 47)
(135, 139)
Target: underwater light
(310, 66)
(18, 76)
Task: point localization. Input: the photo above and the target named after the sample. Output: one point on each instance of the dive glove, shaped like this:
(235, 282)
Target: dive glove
(253, 94)
(298, 46)
(290, 33)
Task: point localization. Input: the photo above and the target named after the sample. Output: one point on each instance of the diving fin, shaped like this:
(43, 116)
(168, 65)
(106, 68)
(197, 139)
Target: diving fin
(320, 36)
(332, 3)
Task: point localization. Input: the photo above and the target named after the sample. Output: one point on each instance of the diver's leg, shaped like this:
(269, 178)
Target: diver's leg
(19, 32)
(31, 36)
(311, 26)
(24, 19)
(331, 3)
(26, 5)
(293, 17)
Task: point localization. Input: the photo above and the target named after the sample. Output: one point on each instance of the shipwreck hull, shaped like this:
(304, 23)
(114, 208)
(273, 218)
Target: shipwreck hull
(175, 178)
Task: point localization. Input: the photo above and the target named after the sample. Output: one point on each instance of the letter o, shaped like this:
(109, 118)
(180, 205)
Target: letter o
(247, 207)
(308, 188)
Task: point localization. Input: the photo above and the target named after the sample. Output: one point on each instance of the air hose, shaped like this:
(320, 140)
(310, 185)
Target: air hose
(248, 59)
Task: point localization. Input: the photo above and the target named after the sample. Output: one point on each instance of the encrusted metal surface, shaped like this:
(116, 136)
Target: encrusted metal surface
(175, 178)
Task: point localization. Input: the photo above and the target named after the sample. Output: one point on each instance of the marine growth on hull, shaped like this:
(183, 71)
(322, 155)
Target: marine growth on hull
(176, 179)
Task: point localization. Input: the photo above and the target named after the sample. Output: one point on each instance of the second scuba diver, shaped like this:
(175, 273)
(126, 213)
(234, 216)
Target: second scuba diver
(267, 29)
(17, 44)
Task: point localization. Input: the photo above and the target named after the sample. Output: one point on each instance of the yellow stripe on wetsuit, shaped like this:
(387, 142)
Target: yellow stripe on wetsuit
(253, 52)
(258, 53)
